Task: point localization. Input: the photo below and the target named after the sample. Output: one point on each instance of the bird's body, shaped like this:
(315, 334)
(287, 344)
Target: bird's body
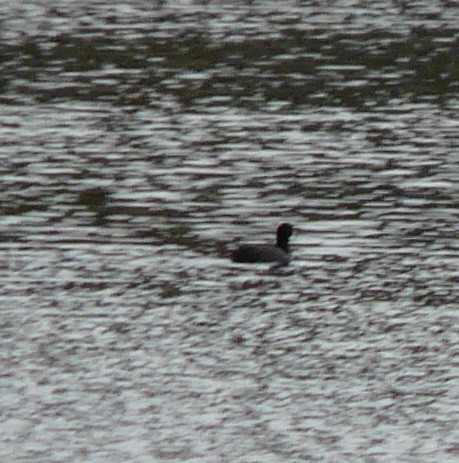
(259, 253)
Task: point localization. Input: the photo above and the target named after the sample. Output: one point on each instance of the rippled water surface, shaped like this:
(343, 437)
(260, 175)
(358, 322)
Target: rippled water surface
(140, 141)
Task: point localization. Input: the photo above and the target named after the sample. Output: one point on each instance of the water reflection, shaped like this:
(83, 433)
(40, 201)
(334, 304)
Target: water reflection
(138, 142)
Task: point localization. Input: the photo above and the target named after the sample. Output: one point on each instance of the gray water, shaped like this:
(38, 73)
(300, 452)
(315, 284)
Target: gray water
(140, 141)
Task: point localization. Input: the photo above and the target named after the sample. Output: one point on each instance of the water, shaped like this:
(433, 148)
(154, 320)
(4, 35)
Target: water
(140, 141)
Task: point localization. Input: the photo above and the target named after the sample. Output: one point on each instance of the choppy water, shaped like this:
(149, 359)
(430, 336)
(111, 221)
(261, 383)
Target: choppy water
(140, 140)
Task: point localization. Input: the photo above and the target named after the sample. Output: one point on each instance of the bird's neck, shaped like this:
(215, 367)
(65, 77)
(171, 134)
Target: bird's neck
(282, 243)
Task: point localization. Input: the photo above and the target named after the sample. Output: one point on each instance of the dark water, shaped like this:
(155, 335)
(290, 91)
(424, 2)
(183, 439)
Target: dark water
(139, 141)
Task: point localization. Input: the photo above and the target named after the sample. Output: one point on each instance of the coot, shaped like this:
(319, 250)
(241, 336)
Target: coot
(254, 253)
